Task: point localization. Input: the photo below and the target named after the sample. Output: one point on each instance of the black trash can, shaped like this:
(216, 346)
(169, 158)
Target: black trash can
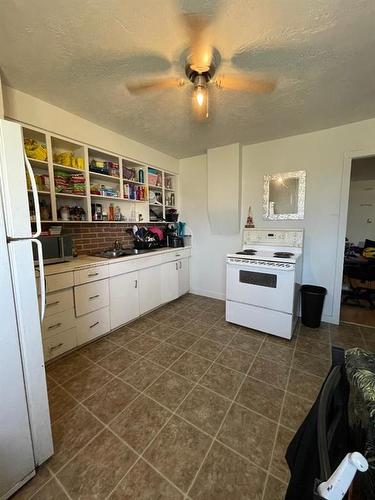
(312, 304)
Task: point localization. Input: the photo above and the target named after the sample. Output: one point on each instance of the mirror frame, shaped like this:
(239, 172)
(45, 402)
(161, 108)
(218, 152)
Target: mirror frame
(300, 214)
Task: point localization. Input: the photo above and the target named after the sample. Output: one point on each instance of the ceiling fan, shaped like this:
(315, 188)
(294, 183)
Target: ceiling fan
(201, 63)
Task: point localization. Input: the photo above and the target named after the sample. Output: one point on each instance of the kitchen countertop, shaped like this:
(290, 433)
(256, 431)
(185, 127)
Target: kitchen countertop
(85, 261)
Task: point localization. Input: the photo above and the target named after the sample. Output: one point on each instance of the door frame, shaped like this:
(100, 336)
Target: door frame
(343, 219)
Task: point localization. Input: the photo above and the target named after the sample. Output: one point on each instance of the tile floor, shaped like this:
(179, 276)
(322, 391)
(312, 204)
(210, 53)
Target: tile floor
(182, 405)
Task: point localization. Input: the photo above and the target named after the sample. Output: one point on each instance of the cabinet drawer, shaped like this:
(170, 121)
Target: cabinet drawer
(60, 343)
(92, 325)
(59, 301)
(91, 296)
(57, 323)
(90, 274)
(133, 265)
(179, 253)
(59, 281)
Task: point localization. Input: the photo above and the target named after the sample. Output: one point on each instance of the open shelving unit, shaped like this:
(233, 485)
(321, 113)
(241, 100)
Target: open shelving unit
(76, 177)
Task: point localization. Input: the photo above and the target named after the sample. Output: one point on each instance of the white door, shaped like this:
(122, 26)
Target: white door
(169, 281)
(124, 298)
(149, 288)
(183, 276)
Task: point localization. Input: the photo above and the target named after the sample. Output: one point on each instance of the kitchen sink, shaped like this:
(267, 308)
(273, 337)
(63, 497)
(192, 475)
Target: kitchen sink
(114, 254)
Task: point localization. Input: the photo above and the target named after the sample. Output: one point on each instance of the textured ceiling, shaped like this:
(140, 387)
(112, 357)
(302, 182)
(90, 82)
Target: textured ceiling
(77, 55)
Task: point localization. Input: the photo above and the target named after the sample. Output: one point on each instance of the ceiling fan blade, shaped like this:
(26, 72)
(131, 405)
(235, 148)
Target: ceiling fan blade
(154, 84)
(245, 83)
(197, 26)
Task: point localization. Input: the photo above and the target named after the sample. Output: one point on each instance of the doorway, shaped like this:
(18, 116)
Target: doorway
(358, 287)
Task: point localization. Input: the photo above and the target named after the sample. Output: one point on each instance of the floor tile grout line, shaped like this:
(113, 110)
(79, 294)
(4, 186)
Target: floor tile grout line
(279, 422)
(173, 414)
(81, 403)
(223, 346)
(222, 422)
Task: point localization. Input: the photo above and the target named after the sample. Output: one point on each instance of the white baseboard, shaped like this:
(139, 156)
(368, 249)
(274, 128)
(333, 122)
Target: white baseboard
(208, 293)
(329, 319)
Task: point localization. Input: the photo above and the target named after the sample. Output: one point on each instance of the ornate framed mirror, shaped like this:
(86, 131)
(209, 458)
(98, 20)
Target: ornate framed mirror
(284, 195)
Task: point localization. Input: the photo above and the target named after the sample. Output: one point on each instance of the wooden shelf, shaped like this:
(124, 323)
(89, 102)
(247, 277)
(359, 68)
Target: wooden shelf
(70, 195)
(69, 169)
(56, 144)
(102, 196)
(134, 182)
(134, 201)
(104, 176)
(38, 163)
(40, 192)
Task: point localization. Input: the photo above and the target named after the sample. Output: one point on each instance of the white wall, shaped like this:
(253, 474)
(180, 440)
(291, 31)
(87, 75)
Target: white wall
(32, 111)
(361, 208)
(321, 154)
(208, 257)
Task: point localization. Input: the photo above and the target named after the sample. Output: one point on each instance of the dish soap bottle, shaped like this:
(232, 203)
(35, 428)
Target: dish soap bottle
(141, 176)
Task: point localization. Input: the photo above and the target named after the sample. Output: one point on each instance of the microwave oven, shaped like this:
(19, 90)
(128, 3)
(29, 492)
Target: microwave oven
(55, 249)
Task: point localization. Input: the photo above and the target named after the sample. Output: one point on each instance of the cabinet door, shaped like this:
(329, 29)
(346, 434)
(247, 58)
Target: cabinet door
(124, 298)
(169, 281)
(149, 288)
(183, 276)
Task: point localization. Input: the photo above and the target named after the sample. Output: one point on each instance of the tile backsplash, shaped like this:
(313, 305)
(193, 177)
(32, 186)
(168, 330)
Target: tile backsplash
(92, 238)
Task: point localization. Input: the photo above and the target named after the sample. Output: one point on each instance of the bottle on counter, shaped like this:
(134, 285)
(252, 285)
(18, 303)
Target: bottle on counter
(111, 212)
(117, 213)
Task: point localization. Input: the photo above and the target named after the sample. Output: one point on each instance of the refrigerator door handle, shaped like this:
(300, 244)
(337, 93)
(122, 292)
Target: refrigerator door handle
(35, 197)
(41, 278)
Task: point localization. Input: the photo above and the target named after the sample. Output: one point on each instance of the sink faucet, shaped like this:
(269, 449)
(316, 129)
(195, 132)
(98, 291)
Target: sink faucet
(118, 245)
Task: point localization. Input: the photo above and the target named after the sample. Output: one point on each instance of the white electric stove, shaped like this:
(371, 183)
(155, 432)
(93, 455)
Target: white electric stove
(263, 281)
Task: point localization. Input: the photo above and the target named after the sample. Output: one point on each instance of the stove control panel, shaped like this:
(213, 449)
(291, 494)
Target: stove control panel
(277, 237)
(260, 263)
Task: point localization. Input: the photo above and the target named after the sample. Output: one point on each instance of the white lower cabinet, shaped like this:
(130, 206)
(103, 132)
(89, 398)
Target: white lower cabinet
(149, 289)
(93, 325)
(107, 297)
(183, 277)
(58, 323)
(169, 281)
(123, 298)
(91, 296)
(58, 344)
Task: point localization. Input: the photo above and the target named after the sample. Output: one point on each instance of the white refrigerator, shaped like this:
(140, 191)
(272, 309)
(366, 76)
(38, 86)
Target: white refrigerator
(25, 429)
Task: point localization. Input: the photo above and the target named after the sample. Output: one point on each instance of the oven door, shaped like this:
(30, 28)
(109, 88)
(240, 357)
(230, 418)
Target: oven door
(264, 287)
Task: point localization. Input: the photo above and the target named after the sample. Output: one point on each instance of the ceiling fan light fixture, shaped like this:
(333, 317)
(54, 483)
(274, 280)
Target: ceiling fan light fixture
(200, 90)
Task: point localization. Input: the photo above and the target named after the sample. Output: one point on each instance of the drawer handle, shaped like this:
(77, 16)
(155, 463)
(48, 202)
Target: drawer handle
(54, 326)
(97, 323)
(180, 265)
(52, 348)
(92, 275)
(53, 303)
(94, 297)
(135, 283)
(178, 255)
(176, 266)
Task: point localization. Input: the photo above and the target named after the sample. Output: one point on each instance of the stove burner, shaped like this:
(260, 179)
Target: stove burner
(250, 251)
(284, 255)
